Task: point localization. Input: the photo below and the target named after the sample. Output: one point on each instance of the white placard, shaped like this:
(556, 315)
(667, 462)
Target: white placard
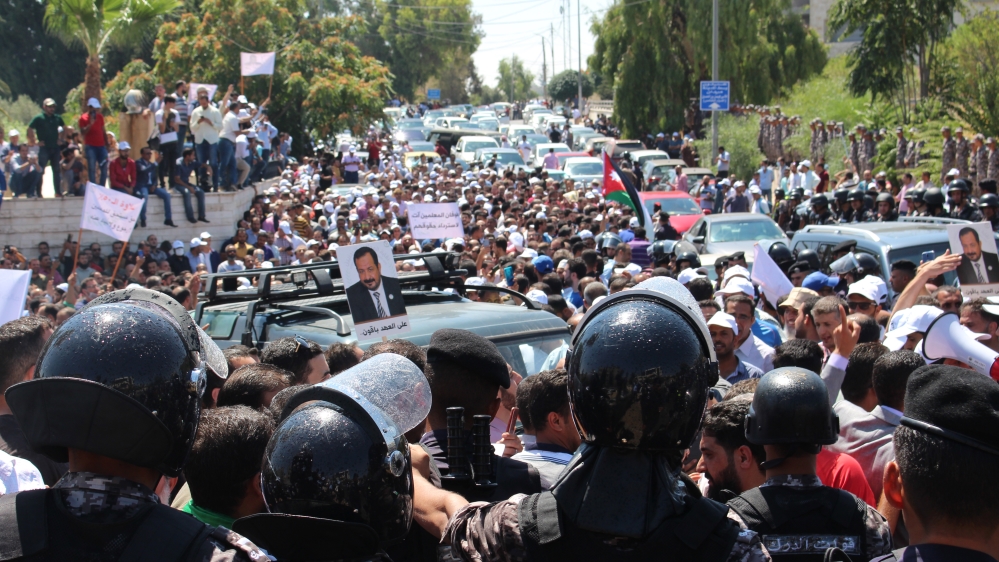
(978, 271)
(110, 212)
(192, 91)
(254, 64)
(768, 274)
(374, 294)
(13, 292)
(430, 221)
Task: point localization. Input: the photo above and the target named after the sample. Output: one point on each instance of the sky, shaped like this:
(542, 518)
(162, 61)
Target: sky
(517, 26)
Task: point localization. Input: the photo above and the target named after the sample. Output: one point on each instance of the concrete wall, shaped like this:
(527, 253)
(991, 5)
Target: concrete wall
(24, 223)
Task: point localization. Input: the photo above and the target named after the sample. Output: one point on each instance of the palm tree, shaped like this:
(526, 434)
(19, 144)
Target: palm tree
(95, 24)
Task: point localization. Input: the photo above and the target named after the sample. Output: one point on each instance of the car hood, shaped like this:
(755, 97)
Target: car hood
(682, 223)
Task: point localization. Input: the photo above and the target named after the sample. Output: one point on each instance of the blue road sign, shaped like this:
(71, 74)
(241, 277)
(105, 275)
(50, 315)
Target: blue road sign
(714, 95)
(436, 94)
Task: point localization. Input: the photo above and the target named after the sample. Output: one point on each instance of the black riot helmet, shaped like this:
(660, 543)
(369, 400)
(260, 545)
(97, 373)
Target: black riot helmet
(855, 195)
(782, 256)
(841, 195)
(866, 264)
(123, 379)
(988, 200)
(791, 407)
(917, 195)
(690, 257)
(885, 198)
(660, 250)
(607, 240)
(958, 185)
(340, 453)
(933, 196)
(819, 200)
(798, 193)
(640, 365)
(809, 255)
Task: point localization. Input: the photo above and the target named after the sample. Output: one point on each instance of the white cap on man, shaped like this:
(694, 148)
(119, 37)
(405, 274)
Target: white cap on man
(724, 320)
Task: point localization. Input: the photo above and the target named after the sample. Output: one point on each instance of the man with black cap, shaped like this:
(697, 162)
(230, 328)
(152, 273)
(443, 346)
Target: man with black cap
(738, 258)
(467, 371)
(798, 517)
(798, 271)
(117, 393)
(949, 433)
(637, 400)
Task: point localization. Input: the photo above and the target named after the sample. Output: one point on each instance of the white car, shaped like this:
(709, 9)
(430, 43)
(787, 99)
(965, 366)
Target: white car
(548, 120)
(640, 157)
(540, 150)
(517, 131)
(466, 147)
(480, 115)
(454, 122)
(584, 169)
(538, 115)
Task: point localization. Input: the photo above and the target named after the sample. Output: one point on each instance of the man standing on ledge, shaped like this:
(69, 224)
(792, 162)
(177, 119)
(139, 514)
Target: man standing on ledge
(374, 296)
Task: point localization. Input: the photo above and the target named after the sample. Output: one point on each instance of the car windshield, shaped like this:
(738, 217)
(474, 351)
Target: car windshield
(558, 149)
(414, 124)
(674, 205)
(527, 356)
(585, 168)
(663, 171)
(738, 231)
(410, 134)
(504, 158)
(472, 146)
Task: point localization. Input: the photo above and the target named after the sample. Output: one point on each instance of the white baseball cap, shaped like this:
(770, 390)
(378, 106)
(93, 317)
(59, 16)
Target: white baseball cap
(738, 285)
(633, 269)
(93, 102)
(285, 227)
(178, 244)
(865, 289)
(688, 275)
(123, 145)
(805, 163)
(538, 295)
(196, 242)
(633, 222)
(584, 234)
(724, 320)
(205, 235)
(908, 321)
(529, 253)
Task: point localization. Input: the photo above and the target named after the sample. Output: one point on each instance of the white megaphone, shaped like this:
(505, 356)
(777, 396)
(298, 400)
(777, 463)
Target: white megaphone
(947, 338)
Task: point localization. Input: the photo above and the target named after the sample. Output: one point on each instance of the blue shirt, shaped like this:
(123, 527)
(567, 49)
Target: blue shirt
(766, 178)
(146, 173)
(766, 333)
(184, 171)
(744, 371)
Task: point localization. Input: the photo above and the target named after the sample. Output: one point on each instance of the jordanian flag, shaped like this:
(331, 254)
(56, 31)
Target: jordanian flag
(617, 187)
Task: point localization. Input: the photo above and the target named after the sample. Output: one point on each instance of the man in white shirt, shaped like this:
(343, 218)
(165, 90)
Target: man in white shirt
(242, 156)
(265, 134)
(227, 147)
(206, 122)
(524, 148)
(751, 349)
(807, 179)
(351, 166)
(231, 263)
(759, 204)
(167, 127)
(722, 160)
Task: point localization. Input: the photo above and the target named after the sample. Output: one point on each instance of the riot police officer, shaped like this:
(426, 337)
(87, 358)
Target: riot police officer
(336, 475)
(782, 256)
(989, 204)
(117, 393)
(792, 418)
(820, 210)
(686, 260)
(637, 401)
(607, 243)
(857, 213)
(842, 203)
(886, 208)
(934, 200)
(961, 207)
(661, 253)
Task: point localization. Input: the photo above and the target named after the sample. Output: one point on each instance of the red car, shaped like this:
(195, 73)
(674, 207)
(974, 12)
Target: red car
(682, 208)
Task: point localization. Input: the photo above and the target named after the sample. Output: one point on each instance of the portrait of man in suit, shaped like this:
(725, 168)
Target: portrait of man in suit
(374, 295)
(977, 267)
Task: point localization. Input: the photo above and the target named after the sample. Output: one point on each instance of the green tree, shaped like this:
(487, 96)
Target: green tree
(422, 36)
(515, 81)
(973, 56)
(564, 85)
(898, 47)
(321, 84)
(653, 59)
(98, 24)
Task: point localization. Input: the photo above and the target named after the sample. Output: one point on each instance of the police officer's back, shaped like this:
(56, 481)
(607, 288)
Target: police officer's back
(637, 399)
(117, 395)
(949, 434)
(798, 517)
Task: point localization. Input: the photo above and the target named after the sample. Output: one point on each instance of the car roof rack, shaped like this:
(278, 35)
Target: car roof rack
(322, 278)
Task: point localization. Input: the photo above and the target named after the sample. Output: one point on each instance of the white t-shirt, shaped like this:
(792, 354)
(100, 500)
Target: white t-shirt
(169, 135)
(723, 161)
(525, 150)
(241, 147)
(351, 162)
(225, 267)
(230, 126)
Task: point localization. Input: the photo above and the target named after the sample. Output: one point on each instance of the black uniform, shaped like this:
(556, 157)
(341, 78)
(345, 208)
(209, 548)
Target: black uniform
(892, 216)
(855, 216)
(968, 212)
(826, 217)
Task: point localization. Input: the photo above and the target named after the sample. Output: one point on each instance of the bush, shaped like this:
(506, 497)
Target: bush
(738, 136)
(18, 113)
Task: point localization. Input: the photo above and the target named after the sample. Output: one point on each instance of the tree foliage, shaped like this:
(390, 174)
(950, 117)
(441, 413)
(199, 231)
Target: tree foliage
(322, 83)
(653, 56)
(96, 25)
(972, 53)
(565, 85)
(897, 49)
(515, 81)
(422, 37)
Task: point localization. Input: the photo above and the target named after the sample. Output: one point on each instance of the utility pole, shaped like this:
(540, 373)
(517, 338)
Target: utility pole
(552, 36)
(568, 33)
(544, 69)
(714, 74)
(579, 48)
(512, 58)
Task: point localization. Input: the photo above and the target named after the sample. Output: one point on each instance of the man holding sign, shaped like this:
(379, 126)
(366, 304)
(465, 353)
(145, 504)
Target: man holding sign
(374, 296)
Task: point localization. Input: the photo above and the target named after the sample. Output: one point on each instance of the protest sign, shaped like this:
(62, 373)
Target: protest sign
(110, 212)
(978, 271)
(192, 91)
(256, 64)
(430, 221)
(769, 276)
(374, 294)
(13, 292)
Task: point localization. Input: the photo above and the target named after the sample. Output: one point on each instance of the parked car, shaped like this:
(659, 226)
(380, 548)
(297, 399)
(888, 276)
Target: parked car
(466, 147)
(596, 144)
(657, 171)
(584, 169)
(541, 149)
(683, 210)
(728, 233)
(504, 157)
